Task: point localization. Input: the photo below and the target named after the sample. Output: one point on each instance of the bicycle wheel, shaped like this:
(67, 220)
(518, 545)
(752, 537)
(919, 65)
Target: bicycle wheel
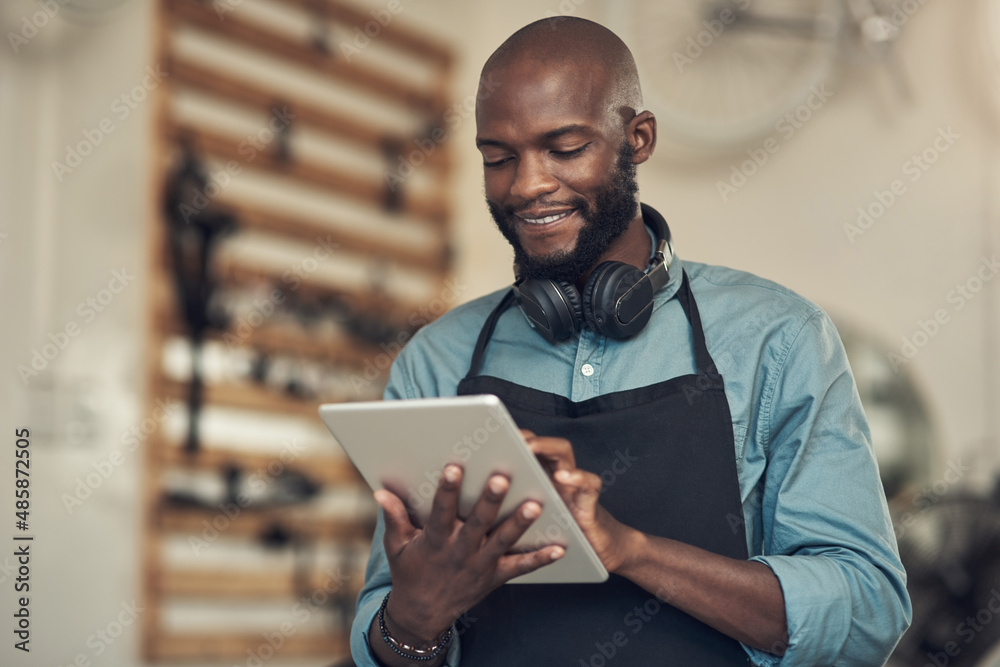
(720, 73)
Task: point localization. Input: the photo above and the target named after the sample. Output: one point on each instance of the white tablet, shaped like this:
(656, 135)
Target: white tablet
(403, 446)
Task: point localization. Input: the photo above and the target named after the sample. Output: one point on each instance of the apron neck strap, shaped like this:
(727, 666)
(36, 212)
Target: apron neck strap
(487, 332)
(703, 360)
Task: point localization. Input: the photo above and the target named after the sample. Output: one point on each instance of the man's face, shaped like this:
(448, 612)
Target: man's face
(559, 171)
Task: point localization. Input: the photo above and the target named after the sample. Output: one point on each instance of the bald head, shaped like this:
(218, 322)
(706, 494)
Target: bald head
(563, 42)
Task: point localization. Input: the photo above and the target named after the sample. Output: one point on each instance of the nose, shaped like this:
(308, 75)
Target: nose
(532, 178)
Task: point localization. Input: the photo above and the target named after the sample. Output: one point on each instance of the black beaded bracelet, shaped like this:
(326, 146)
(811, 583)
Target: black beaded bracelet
(405, 650)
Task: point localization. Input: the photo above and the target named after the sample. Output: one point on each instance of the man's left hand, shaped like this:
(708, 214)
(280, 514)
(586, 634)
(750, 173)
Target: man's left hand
(581, 491)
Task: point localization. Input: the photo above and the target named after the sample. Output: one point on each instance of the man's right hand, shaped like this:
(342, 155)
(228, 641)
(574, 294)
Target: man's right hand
(444, 569)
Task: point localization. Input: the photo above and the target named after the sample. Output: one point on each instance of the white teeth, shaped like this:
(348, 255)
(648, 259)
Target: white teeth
(547, 219)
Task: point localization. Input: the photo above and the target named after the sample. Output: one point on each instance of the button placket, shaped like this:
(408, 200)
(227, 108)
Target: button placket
(587, 365)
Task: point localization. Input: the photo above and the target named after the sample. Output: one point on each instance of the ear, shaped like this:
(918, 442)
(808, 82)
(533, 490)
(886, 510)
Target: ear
(641, 134)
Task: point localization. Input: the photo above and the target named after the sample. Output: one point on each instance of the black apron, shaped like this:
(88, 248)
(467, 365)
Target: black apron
(669, 468)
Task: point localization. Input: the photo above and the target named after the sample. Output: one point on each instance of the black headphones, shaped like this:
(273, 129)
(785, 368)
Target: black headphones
(617, 300)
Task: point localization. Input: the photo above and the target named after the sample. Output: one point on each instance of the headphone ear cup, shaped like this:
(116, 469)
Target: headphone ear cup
(606, 285)
(575, 304)
(553, 308)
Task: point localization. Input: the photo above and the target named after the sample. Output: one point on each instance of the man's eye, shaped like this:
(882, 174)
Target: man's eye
(495, 163)
(569, 154)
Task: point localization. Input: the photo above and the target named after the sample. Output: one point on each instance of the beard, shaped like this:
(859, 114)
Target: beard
(607, 219)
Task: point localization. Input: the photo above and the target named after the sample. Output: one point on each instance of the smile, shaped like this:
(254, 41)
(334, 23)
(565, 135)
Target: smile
(547, 219)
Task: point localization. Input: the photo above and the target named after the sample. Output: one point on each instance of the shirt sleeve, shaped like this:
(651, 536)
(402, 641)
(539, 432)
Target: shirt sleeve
(378, 579)
(827, 535)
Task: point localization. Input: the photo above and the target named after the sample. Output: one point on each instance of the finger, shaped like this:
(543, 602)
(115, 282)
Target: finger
(398, 528)
(484, 513)
(506, 535)
(526, 434)
(554, 453)
(515, 565)
(583, 489)
(444, 510)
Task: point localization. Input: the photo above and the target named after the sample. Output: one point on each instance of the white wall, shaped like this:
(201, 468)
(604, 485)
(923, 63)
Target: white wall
(65, 239)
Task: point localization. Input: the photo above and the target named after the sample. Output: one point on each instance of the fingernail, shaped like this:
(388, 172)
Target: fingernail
(451, 474)
(562, 476)
(497, 484)
(531, 511)
(557, 553)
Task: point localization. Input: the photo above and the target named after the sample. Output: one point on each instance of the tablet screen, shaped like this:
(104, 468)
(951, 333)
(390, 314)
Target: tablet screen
(403, 446)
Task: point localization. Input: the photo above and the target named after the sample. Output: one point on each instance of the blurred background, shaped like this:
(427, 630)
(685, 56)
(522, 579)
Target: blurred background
(217, 214)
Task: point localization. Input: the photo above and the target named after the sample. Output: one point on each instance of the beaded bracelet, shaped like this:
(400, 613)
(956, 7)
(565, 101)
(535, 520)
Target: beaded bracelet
(405, 650)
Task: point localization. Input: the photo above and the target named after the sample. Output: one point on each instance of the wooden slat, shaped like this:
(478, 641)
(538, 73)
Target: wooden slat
(433, 208)
(275, 340)
(236, 584)
(402, 37)
(326, 469)
(259, 38)
(247, 397)
(244, 91)
(259, 218)
(252, 524)
(218, 646)
(232, 271)
(390, 310)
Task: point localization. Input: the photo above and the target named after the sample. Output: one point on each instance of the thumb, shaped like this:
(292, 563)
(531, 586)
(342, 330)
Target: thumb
(398, 528)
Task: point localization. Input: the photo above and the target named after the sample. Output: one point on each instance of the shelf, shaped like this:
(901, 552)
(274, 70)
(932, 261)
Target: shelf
(433, 209)
(332, 469)
(256, 36)
(393, 311)
(419, 45)
(231, 584)
(244, 91)
(282, 340)
(384, 284)
(259, 218)
(249, 397)
(198, 523)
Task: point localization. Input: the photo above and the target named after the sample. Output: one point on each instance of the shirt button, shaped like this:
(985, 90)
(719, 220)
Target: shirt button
(587, 370)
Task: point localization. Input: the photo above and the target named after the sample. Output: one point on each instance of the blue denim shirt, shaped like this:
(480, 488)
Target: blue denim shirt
(813, 505)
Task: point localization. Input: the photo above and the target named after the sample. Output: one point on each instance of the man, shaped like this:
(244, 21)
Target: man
(748, 524)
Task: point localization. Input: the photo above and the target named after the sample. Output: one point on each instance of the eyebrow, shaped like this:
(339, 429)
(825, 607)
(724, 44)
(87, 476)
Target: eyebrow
(548, 136)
